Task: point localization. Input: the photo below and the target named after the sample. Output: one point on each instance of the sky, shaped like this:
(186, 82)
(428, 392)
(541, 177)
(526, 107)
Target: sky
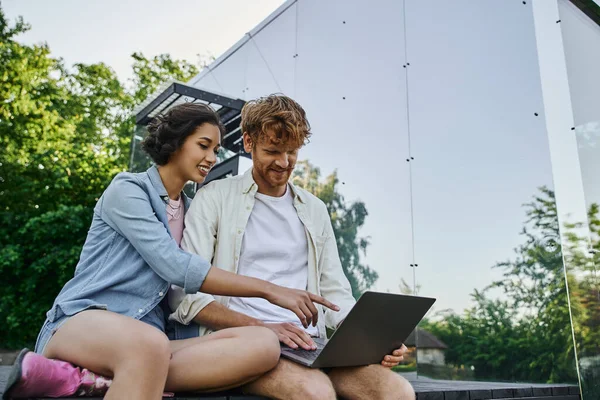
(110, 30)
(479, 149)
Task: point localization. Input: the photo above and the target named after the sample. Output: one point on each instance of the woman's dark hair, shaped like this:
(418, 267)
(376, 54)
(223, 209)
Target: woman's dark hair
(167, 132)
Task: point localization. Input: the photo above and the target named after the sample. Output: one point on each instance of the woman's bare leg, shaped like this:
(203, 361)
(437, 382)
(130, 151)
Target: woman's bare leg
(134, 353)
(222, 360)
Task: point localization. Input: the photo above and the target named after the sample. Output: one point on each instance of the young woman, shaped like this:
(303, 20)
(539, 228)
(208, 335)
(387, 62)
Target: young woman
(111, 317)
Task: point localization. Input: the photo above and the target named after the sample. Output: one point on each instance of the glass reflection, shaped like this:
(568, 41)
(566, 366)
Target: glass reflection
(581, 38)
(487, 237)
(139, 159)
(584, 296)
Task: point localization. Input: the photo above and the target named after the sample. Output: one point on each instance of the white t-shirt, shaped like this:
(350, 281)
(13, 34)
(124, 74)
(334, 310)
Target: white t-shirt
(275, 249)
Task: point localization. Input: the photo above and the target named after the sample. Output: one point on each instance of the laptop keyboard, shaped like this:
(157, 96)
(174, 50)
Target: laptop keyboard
(310, 355)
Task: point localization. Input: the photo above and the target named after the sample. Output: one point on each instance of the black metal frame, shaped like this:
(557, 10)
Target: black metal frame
(229, 111)
(230, 106)
(589, 8)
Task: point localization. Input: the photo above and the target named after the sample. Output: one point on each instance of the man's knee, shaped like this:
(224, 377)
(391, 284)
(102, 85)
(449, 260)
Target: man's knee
(394, 386)
(316, 386)
(292, 381)
(373, 382)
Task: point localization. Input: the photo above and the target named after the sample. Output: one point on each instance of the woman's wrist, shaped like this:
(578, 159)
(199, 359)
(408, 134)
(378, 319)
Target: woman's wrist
(267, 289)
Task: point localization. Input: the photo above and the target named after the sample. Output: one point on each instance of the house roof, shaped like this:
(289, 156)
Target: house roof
(427, 340)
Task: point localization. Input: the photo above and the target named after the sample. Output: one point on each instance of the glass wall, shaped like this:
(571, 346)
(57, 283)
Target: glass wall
(430, 146)
(581, 39)
(486, 235)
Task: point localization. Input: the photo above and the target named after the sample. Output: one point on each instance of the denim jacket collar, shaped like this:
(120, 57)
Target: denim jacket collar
(157, 182)
(160, 187)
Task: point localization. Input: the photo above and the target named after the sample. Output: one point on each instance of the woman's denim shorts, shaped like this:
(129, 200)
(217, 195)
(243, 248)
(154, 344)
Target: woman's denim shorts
(156, 318)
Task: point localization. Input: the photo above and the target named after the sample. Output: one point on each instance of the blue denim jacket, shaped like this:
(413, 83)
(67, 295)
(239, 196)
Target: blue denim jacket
(129, 258)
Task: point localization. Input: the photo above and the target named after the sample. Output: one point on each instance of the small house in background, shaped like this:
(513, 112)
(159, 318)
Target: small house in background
(430, 349)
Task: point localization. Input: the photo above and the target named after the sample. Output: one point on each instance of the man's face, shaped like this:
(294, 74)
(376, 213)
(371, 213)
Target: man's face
(273, 163)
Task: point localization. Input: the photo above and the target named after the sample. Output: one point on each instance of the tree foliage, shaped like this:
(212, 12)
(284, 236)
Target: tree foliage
(64, 134)
(346, 220)
(526, 334)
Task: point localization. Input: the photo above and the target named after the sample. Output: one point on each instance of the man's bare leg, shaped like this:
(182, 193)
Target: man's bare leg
(371, 382)
(292, 381)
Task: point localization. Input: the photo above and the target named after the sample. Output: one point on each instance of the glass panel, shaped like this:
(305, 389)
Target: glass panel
(139, 159)
(581, 39)
(486, 238)
(228, 77)
(486, 234)
(271, 58)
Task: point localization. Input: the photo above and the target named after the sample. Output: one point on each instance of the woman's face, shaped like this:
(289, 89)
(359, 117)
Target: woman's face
(198, 154)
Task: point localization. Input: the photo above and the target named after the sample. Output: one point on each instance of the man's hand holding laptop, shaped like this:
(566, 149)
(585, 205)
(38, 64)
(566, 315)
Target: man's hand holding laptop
(395, 358)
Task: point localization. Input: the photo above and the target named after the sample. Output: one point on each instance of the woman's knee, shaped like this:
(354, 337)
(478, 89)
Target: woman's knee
(106, 342)
(264, 344)
(147, 344)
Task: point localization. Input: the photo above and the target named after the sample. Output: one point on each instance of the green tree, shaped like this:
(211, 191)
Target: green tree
(346, 220)
(528, 336)
(64, 134)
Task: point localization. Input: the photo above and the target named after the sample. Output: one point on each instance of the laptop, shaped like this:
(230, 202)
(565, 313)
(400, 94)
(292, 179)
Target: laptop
(377, 325)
